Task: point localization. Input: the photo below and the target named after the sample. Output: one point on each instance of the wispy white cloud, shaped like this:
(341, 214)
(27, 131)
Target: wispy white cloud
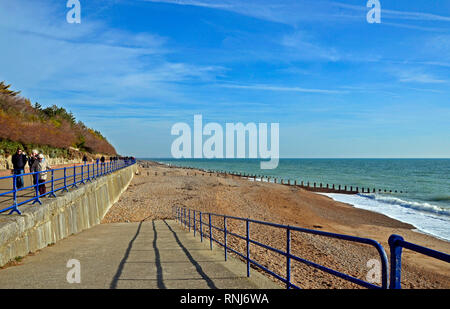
(420, 78)
(408, 75)
(283, 88)
(395, 14)
(285, 12)
(294, 11)
(304, 44)
(46, 55)
(209, 4)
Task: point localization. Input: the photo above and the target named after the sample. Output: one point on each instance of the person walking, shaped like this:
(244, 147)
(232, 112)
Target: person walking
(19, 161)
(41, 167)
(31, 160)
(102, 160)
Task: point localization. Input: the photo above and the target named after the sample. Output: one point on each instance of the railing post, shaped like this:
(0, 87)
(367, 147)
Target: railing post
(52, 193)
(74, 185)
(225, 235)
(15, 188)
(36, 188)
(189, 216)
(247, 228)
(89, 174)
(15, 209)
(195, 225)
(288, 258)
(201, 228)
(396, 262)
(210, 232)
(82, 174)
(65, 181)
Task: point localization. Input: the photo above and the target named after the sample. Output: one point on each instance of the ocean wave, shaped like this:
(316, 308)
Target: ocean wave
(440, 198)
(425, 217)
(420, 206)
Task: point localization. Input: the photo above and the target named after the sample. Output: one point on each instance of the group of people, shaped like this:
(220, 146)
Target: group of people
(37, 164)
(103, 159)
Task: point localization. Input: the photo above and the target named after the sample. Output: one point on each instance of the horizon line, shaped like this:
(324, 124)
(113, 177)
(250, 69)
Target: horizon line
(309, 158)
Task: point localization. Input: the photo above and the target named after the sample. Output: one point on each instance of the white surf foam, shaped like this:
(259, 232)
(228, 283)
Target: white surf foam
(427, 218)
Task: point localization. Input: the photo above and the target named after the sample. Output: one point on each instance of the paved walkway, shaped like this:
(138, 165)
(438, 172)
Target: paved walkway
(146, 255)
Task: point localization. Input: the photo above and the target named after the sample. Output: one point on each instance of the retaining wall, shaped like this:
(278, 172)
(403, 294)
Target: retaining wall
(58, 218)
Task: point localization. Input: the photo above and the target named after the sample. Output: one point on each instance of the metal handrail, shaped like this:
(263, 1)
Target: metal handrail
(69, 180)
(180, 215)
(396, 243)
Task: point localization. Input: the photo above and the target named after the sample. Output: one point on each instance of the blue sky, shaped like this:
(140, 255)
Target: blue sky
(337, 85)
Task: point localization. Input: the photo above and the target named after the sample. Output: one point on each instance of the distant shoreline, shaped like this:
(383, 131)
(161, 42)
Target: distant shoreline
(405, 189)
(412, 226)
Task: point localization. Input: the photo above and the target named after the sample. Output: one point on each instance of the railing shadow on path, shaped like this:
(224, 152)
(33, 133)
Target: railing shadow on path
(197, 266)
(157, 258)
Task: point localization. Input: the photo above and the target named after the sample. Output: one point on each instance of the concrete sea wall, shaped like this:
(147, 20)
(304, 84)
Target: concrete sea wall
(58, 218)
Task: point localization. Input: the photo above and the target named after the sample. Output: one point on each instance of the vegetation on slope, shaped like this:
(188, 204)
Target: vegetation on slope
(52, 129)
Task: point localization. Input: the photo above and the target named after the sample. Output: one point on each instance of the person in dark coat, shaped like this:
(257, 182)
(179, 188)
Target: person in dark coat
(31, 160)
(84, 159)
(19, 161)
(102, 160)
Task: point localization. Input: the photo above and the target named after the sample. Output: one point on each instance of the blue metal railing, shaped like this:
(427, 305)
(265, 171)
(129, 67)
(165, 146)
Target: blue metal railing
(183, 215)
(396, 243)
(71, 178)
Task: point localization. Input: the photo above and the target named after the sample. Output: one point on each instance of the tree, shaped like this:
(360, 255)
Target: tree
(4, 89)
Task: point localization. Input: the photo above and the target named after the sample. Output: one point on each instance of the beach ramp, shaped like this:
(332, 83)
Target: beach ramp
(155, 254)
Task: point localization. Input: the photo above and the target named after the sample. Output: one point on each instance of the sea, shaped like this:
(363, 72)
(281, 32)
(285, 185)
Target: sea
(424, 183)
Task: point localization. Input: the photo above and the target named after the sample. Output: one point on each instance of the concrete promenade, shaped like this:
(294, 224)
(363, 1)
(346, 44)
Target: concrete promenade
(146, 255)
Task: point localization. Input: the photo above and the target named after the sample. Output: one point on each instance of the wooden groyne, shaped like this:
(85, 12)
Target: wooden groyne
(306, 185)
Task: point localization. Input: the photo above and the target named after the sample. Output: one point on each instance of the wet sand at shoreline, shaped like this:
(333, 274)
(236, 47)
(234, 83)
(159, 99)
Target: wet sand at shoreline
(153, 193)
